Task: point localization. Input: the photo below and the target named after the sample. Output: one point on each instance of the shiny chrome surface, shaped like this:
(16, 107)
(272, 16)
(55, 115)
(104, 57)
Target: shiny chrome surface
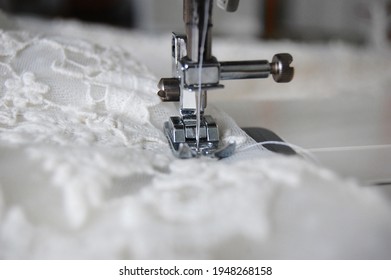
(195, 71)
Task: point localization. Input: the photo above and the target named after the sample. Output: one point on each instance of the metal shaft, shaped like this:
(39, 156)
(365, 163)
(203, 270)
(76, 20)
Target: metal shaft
(253, 69)
(194, 12)
(257, 69)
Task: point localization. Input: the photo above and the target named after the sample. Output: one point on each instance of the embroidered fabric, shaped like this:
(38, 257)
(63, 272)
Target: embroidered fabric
(86, 172)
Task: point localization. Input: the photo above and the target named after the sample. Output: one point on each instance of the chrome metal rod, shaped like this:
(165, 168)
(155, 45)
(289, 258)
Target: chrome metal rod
(253, 69)
(193, 16)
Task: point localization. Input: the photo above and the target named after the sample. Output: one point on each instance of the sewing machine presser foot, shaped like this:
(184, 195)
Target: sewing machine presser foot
(181, 134)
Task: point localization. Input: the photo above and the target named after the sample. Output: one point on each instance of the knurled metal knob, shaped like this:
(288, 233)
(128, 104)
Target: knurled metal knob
(280, 68)
(169, 89)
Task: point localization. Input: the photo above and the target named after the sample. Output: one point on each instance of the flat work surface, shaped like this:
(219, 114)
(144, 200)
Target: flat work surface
(351, 135)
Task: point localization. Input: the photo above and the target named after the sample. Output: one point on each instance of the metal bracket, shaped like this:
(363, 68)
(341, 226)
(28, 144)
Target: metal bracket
(188, 79)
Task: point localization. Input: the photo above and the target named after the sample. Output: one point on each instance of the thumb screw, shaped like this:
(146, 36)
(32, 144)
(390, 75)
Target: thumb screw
(280, 68)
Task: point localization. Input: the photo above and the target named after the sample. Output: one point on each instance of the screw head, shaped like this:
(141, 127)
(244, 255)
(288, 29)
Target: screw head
(281, 70)
(169, 89)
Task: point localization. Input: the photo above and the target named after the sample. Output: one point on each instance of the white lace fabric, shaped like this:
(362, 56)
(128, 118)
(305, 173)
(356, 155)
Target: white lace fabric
(86, 172)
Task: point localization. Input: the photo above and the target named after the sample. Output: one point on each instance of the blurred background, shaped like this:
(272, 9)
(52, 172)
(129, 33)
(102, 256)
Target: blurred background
(305, 20)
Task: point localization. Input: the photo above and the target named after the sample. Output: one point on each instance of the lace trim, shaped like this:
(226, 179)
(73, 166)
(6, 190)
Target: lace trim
(64, 91)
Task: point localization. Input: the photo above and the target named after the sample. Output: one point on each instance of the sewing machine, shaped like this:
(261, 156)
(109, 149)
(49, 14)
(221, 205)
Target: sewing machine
(196, 71)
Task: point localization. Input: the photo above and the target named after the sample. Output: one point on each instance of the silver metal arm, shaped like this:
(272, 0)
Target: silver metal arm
(194, 13)
(191, 50)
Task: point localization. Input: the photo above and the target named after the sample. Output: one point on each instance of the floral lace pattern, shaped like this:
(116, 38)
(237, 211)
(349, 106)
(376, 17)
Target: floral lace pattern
(86, 172)
(79, 84)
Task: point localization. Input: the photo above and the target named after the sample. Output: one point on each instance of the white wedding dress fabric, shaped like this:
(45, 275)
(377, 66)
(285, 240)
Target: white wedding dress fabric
(86, 171)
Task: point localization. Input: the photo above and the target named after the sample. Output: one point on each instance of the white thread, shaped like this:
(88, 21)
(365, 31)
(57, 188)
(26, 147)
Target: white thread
(304, 152)
(200, 60)
(349, 148)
